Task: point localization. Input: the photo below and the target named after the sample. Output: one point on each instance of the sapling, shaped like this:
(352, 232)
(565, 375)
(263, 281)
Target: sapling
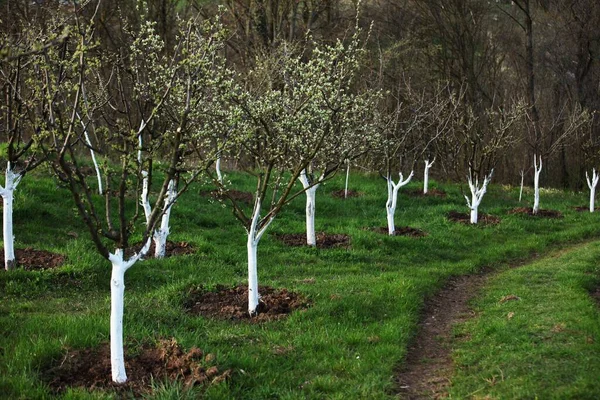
(477, 193)
(537, 169)
(392, 199)
(11, 182)
(522, 180)
(592, 185)
(426, 175)
(347, 178)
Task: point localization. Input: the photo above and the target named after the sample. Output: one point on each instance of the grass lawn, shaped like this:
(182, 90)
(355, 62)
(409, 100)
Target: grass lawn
(365, 299)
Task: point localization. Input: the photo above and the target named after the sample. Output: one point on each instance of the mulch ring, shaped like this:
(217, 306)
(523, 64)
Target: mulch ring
(432, 192)
(90, 368)
(595, 293)
(400, 231)
(341, 194)
(237, 195)
(585, 208)
(172, 249)
(541, 212)
(324, 240)
(33, 260)
(232, 303)
(465, 218)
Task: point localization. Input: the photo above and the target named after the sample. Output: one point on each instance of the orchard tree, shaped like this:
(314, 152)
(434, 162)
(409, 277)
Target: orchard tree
(19, 127)
(143, 86)
(295, 113)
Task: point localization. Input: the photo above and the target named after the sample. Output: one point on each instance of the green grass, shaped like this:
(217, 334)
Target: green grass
(544, 345)
(365, 300)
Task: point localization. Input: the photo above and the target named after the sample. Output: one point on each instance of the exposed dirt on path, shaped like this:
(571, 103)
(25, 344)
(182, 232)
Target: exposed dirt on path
(428, 366)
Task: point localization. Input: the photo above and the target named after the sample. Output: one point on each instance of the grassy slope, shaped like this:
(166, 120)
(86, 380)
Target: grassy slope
(365, 300)
(545, 345)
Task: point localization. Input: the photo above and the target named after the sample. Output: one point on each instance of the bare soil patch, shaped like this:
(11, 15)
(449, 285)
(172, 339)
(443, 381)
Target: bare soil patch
(585, 208)
(340, 194)
(232, 303)
(324, 240)
(541, 212)
(465, 218)
(428, 366)
(90, 368)
(172, 249)
(432, 192)
(32, 260)
(401, 231)
(237, 195)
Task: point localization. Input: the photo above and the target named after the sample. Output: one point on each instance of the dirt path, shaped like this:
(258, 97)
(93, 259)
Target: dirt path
(428, 366)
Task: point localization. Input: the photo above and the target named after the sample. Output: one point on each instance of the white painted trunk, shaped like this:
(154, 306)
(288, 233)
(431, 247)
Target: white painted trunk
(7, 193)
(522, 180)
(425, 180)
(390, 206)
(160, 235)
(117, 294)
(7, 230)
(218, 170)
(311, 194)
(474, 215)
(144, 197)
(390, 220)
(592, 198)
(253, 295)
(536, 193)
(347, 176)
(98, 175)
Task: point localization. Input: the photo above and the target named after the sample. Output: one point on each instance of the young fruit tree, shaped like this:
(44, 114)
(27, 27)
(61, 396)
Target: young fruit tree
(18, 122)
(482, 136)
(143, 88)
(295, 112)
(592, 185)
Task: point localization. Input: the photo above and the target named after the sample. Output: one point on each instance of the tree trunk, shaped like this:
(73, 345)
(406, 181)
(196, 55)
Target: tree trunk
(536, 192)
(7, 193)
(522, 180)
(311, 238)
(474, 215)
(117, 294)
(252, 274)
(592, 198)
(390, 206)
(160, 235)
(218, 170)
(347, 176)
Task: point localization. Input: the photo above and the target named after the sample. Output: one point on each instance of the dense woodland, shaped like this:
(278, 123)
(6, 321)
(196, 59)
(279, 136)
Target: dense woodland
(537, 62)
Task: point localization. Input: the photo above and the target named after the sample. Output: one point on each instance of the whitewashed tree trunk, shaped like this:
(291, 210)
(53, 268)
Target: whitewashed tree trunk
(254, 236)
(311, 194)
(7, 192)
(522, 180)
(392, 200)
(117, 295)
(477, 194)
(161, 234)
(347, 177)
(592, 185)
(536, 184)
(426, 175)
(89, 143)
(218, 170)
(144, 201)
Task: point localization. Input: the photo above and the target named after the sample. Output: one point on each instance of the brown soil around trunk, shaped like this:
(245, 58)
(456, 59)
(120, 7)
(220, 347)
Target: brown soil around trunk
(232, 303)
(324, 240)
(340, 194)
(165, 360)
(172, 249)
(237, 195)
(428, 365)
(31, 260)
(465, 218)
(541, 212)
(401, 231)
(585, 208)
(430, 193)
